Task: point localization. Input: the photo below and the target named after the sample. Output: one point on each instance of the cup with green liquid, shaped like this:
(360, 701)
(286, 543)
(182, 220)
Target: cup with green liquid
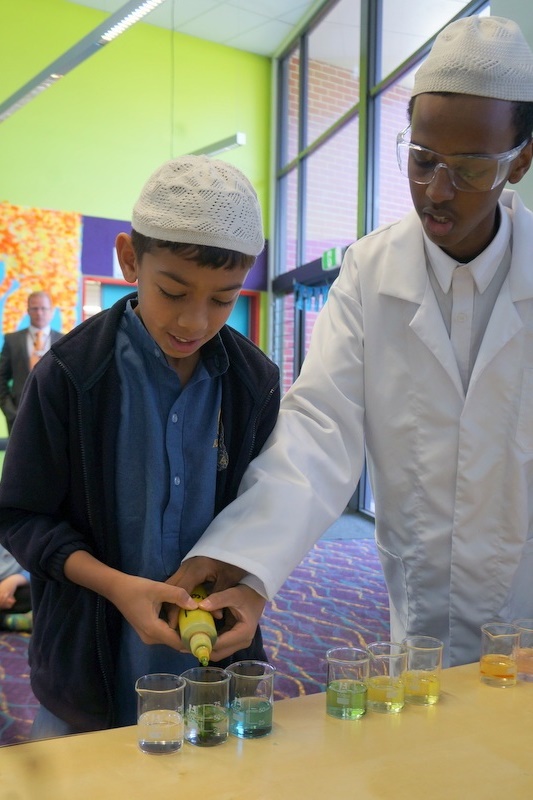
(347, 675)
(206, 706)
(388, 661)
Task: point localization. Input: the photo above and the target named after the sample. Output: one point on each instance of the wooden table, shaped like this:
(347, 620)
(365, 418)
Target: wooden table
(477, 742)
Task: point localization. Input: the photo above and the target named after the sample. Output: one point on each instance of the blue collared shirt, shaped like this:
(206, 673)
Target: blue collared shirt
(165, 480)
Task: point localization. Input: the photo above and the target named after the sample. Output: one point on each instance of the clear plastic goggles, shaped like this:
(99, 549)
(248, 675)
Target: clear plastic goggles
(468, 173)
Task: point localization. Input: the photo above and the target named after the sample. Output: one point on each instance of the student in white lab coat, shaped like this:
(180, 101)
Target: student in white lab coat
(424, 350)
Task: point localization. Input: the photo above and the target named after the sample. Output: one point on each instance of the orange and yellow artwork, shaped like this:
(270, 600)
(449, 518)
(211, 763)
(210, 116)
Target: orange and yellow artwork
(39, 249)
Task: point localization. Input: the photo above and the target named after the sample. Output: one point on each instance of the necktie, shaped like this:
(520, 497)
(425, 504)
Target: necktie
(38, 344)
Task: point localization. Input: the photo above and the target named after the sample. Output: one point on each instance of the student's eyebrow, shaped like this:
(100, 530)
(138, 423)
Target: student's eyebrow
(183, 282)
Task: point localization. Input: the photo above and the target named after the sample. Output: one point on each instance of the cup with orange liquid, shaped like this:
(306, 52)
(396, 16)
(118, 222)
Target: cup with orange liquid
(499, 647)
(524, 656)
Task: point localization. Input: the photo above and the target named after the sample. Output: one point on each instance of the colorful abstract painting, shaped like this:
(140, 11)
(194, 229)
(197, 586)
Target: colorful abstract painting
(39, 249)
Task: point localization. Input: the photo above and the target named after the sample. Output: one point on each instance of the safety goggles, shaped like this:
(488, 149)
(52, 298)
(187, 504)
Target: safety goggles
(468, 173)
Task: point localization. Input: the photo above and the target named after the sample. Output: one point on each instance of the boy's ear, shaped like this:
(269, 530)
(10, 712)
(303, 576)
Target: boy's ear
(126, 257)
(521, 164)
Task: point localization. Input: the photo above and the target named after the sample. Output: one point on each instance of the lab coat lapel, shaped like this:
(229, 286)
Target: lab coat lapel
(407, 279)
(504, 324)
(429, 326)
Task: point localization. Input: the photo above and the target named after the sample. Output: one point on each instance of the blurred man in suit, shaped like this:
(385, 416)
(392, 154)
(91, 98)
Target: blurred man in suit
(22, 349)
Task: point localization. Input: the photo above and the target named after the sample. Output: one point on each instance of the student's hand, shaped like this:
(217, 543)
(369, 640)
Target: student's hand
(140, 601)
(201, 569)
(8, 588)
(245, 607)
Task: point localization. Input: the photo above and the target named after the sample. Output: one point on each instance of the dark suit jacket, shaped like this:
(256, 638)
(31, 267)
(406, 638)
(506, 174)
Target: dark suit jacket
(14, 369)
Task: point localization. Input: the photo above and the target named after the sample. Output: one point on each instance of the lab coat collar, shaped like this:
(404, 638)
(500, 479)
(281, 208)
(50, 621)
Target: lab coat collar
(483, 267)
(406, 275)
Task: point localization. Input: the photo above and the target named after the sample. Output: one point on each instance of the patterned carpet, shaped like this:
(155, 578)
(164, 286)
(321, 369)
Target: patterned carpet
(336, 596)
(17, 703)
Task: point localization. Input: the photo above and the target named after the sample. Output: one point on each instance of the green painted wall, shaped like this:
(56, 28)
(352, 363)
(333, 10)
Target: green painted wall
(88, 143)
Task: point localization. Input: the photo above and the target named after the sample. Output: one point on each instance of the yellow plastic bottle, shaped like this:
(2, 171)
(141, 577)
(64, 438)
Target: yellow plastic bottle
(197, 628)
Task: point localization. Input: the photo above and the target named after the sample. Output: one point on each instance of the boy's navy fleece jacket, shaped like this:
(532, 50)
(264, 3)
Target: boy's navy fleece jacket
(57, 496)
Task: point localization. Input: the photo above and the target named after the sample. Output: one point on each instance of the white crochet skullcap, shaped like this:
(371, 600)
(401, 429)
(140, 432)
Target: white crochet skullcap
(200, 200)
(485, 56)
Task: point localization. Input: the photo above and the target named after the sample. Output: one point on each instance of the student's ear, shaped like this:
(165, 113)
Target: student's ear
(126, 257)
(521, 164)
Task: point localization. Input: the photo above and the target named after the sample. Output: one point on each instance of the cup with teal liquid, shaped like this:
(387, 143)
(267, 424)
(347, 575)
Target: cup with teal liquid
(347, 676)
(251, 698)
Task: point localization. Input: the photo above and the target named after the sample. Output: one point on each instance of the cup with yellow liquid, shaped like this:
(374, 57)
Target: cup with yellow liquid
(422, 676)
(385, 691)
(499, 647)
(524, 655)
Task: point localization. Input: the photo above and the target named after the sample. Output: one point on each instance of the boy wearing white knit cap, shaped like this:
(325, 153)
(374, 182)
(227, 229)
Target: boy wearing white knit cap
(140, 424)
(424, 351)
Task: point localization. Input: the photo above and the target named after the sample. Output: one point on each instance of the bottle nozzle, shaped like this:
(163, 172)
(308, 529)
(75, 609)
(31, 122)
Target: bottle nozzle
(200, 645)
(202, 654)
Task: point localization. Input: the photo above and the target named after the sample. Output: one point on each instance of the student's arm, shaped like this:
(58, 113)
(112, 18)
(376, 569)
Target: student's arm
(139, 600)
(309, 467)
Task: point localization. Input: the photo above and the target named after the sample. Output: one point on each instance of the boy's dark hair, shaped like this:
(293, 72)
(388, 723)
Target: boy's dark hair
(522, 116)
(202, 254)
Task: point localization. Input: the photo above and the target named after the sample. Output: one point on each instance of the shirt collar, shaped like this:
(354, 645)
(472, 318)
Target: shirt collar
(45, 331)
(483, 267)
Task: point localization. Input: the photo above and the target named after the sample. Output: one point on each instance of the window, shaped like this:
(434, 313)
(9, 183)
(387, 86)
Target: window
(344, 84)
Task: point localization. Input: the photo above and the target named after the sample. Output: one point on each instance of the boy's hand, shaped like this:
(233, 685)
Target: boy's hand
(246, 607)
(8, 588)
(199, 570)
(139, 600)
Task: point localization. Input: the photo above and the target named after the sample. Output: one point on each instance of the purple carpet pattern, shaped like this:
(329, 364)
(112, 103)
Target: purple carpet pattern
(17, 703)
(335, 597)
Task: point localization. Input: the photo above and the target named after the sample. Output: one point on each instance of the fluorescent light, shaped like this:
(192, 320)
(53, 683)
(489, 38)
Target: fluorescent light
(129, 20)
(237, 140)
(113, 26)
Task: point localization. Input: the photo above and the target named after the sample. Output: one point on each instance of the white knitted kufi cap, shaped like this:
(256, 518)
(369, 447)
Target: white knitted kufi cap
(200, 200)
(485, 56)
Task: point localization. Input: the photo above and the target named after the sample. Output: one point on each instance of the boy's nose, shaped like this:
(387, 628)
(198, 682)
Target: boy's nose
(193, 320)
(440, 185)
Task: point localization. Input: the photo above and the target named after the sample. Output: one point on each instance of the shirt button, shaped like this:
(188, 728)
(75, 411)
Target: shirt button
(174, 417)
(461, 317)
(177, 480)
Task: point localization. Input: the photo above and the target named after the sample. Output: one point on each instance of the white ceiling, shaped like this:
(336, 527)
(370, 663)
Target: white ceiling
(262, 26)
(258, 26)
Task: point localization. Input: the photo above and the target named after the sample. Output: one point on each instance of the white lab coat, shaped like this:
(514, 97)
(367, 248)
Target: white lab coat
(452, 474)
